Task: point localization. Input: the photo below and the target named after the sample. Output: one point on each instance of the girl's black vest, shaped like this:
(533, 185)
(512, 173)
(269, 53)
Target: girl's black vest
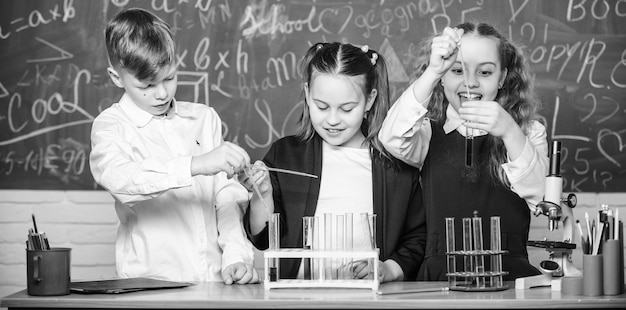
(451, 189)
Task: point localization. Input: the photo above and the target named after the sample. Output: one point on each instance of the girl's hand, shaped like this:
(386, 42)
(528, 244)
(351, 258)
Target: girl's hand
(444, 50)
(488, 116)
(361, 269)
(258, 175)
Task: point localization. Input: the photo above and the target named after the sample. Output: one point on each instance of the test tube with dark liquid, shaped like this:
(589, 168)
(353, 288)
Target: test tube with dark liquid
(274, 244)
(469, 147)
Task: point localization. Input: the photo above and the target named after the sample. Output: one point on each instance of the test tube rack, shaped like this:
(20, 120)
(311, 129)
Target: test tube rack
(476, 280)
(321, 281)
(474, 276)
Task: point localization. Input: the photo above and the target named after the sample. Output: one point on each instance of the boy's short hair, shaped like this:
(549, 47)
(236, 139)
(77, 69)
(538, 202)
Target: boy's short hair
(140, 43)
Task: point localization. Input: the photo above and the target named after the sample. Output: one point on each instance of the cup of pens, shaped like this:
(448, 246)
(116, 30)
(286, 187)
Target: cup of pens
(603, 256)
(47, 269)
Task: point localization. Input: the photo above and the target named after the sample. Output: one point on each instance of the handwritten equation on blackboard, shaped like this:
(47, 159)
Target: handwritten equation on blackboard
(241, 57)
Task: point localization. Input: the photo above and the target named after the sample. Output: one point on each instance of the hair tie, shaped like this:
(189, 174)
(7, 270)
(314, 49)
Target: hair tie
(319, 46)
(374, 58)
(365, 48)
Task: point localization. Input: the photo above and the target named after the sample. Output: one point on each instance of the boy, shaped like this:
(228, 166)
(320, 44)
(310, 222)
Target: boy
(166, 165)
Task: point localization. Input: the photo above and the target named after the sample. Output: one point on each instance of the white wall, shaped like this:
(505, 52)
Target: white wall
(86, 222)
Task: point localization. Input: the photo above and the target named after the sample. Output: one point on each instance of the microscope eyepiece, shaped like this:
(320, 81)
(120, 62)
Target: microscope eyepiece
(555, 159)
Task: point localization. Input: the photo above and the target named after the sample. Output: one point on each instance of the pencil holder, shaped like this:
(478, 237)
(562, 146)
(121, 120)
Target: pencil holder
(612, 267)
(572, 286)
(592, 275)
(48, 271)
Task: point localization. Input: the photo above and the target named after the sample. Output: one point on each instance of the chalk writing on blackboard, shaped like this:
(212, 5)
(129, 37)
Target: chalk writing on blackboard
(242, 58)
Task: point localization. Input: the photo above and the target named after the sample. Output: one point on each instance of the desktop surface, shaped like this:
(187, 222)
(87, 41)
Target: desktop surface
(207, 295)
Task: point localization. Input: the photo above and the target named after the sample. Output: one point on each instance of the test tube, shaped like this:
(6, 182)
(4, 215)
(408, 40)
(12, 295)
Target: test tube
(469, 133)
(478, 246)
(496, 259)
(349, 218)
(349, 226)
(340, 243)
(328, 244)
(368, 221)
(450, 244)
(469, 147)
(308, 242)
(274, 244)
(468, 265)
(371, 222)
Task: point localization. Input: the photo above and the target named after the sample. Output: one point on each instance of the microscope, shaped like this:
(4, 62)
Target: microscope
(557, 209)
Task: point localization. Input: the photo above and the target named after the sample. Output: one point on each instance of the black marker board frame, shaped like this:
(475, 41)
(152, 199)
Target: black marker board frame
(241, 58)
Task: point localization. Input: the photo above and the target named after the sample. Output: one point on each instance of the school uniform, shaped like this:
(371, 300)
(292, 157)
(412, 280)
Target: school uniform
(397, 202)
(172, 226)
(452, 190)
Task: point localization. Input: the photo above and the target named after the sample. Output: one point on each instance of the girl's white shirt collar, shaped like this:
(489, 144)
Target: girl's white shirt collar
(454, 122)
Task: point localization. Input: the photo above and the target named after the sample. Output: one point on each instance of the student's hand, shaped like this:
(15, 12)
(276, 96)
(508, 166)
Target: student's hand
(240, 273)
(227, 157)
(488, 116)
(361, 269)
(491, 117)
(256, 174)
(444, 50)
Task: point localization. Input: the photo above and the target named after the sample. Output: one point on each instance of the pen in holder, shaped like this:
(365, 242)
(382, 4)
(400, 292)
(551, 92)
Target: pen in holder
(475, 276)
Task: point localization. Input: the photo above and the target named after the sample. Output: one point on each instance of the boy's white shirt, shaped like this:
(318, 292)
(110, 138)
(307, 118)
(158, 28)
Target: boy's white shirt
(172, 226)
(406, 134)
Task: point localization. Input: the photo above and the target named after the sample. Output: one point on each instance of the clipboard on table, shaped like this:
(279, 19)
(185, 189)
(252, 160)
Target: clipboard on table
(123, 285)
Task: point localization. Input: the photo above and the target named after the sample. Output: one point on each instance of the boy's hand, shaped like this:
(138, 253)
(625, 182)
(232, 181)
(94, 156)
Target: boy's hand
(240, 273)
(256, 174)
(227, 157)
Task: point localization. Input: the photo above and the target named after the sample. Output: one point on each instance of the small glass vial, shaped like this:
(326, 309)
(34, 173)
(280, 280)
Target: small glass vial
(274, 244)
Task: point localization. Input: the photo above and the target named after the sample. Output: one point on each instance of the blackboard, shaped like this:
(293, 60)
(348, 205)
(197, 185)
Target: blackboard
(241, 58)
